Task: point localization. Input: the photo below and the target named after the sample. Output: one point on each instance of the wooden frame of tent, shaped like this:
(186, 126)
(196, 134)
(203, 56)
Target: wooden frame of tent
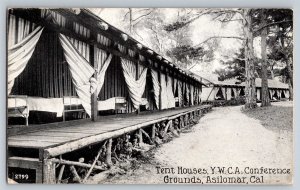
(42, 147)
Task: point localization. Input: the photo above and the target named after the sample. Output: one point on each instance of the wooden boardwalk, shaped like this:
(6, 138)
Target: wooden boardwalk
(51, 137)
(38, 147)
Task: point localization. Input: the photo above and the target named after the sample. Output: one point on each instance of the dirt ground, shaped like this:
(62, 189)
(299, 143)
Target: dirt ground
(225, 137)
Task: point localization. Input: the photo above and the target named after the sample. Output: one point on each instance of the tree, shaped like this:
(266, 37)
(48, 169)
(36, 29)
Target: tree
(245, 17)
(280, 26)
(265, 100)
(234, 68)
(254, 23)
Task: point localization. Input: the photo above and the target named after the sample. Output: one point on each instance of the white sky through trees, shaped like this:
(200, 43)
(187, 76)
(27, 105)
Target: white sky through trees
(201, 29)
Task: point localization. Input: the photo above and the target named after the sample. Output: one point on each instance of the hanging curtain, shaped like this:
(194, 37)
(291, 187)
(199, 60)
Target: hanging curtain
(156, 87)
(164, 96)
(287, 93)
(258, 94)
(102, 60)
(215, 92)
(187, 92)
(53, 16)
(175, 84)
(136, 87)
(192, 94)
(238, 91)
(271, 92)
(278, 94)
(81, 72)
(170, 95)
(223, 89)
(21, 46)
(196, 95)
(235, 93)
(228, 94)
(179, 92)
(199, 95)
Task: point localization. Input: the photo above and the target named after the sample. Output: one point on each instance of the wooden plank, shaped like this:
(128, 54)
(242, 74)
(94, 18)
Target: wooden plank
(89, 130)
(43, 138)
(23, 162)
(57, 134)
(71, 131)
(24, 144)
(26, 139)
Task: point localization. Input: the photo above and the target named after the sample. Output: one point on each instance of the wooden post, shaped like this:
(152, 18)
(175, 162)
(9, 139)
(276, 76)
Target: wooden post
(75, 174)
(94, 103)
(49, 172)
(140, 136)
(108, 153)
(61, 172)
(169, 124)
(153, 132)
(94, 163)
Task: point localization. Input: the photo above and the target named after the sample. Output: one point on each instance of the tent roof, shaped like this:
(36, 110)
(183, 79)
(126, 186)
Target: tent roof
(211, 78)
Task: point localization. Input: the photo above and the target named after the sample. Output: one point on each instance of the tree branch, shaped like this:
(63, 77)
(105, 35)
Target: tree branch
(217, 37)
(271, 24)
(143, 15)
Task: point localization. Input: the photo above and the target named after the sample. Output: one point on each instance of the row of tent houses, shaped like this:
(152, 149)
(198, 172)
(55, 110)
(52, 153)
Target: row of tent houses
(69, 63)
(231, 89)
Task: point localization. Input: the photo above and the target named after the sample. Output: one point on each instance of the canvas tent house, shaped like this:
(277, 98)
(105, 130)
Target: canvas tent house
(68, 63)
(231, 89)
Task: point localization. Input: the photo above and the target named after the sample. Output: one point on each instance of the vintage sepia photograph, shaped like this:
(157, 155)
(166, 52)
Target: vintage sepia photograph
(150, 96)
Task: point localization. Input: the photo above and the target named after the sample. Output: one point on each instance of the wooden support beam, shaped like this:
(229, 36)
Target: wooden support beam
(108, 153)
(61, 172)
(169, 124)
(94, 163)
(49, 176)
(140, 136)
(84, 165)
(94, 97)
(75, 145)
(75, 174)
(153, 132)
(146, 135)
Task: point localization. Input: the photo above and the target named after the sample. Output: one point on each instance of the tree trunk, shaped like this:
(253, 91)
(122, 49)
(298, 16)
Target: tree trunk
(272, 72)
(290, 79)
(250, 89)
(289, 70)
(265, 100)
(291, 90)
(130, 21)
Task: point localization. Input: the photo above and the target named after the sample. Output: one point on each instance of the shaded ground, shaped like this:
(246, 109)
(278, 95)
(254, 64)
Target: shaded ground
(225, 137)
(277, 117)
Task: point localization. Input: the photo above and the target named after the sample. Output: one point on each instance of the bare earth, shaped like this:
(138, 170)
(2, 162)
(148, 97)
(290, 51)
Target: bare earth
(225, 137)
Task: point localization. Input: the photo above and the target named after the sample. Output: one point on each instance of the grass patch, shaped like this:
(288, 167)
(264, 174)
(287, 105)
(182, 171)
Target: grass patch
(274, 118)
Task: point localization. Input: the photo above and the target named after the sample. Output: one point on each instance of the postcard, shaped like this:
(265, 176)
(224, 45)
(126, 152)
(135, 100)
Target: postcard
(150, 96)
